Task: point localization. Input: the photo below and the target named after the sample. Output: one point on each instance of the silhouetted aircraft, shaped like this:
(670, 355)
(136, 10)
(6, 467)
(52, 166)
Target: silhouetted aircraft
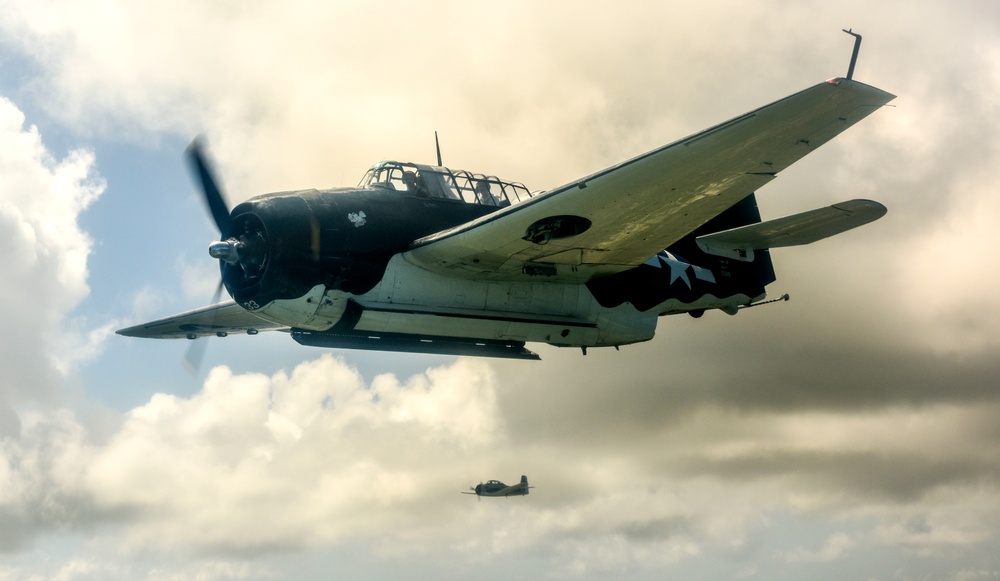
(425, 258)
(497, 488)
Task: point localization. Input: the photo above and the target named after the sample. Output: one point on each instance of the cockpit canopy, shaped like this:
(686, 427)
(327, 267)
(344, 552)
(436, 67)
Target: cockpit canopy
(442, 183)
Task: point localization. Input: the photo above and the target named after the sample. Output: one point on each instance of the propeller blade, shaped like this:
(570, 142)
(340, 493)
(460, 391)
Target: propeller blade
(209, 187)
(194, 356)
(196, 351)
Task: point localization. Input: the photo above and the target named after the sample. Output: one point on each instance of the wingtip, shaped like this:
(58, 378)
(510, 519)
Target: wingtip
(126, 332)
(870, 208)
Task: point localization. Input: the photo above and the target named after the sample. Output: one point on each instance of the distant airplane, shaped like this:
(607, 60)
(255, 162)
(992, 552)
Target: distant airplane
(423, 258)
(497, 488)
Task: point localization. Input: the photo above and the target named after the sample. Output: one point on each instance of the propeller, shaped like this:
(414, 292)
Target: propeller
(243, 242)
(209, 187)
(242, 247)
(227, 250)
(196, 351)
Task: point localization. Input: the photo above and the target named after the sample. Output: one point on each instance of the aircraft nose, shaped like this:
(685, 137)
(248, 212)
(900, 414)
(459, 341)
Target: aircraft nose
(225, 250)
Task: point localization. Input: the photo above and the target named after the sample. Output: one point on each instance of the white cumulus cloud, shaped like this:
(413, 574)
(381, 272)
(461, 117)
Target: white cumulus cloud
(45, 252)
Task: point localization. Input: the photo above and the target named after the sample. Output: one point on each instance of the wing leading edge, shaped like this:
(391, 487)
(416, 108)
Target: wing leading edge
(617, 218)
(220, 319)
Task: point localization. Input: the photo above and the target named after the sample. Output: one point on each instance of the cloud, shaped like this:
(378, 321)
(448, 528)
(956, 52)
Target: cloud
(867, 402)
(834, 548)
(537, 94)
(321, 458)
(41, 472)
(202, 471)
(325, 458)
(45, 253)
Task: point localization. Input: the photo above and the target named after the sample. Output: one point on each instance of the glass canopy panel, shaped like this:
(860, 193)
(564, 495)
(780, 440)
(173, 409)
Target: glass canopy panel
(444, 183)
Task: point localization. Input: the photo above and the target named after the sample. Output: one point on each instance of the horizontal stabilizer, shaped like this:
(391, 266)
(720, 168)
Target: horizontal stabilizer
(805, 228)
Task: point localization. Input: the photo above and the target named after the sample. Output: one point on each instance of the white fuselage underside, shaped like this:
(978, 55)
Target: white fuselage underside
(415, 301)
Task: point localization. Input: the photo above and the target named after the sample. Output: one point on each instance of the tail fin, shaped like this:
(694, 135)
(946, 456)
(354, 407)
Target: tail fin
(757, 272)
(667, 275)
(748, 277)
(524, 479)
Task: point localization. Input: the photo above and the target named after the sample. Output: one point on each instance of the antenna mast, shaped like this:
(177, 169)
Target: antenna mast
(854, 55)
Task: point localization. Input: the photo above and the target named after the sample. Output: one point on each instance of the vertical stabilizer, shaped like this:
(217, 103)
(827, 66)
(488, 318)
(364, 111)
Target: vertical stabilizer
(685, 274)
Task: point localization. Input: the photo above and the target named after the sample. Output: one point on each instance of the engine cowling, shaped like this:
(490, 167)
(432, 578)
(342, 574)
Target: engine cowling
(267, 235)
(291, 242)
(283, 245)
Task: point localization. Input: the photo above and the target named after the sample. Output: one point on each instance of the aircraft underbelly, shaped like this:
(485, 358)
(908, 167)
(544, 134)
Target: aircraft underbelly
(481, 326)
(414, 301)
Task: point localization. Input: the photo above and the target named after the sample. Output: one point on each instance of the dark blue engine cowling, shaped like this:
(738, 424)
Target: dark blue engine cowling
(665, 278)
(342, 239)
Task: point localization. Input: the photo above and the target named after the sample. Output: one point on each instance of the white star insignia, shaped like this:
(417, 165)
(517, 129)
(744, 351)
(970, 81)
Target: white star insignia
(678, 268)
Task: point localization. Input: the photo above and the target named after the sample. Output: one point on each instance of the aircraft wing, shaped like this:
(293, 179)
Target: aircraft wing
(222, 318)
(619, 217)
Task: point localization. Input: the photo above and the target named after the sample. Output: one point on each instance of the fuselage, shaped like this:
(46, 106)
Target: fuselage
(331, 265)
(497, 488)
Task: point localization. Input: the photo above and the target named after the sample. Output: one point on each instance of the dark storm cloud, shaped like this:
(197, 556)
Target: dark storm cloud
(678, 373)
(854, 477)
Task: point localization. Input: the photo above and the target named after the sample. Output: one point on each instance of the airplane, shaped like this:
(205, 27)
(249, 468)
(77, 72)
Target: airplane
(429, 259)
(497, 488)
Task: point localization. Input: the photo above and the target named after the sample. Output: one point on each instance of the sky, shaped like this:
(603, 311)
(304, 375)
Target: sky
(850, 433)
